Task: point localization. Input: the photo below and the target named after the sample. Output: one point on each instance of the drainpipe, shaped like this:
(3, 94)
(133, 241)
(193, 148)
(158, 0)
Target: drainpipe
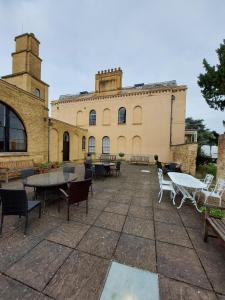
(171, 117)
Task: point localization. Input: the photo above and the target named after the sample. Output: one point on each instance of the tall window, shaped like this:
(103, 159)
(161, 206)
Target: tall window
(105, 145)
(83, 142)
(91, 145)
(122, 115)
(92, 117)
(12, 131)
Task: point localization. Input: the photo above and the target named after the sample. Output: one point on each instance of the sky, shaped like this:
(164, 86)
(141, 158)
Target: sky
(152, 41)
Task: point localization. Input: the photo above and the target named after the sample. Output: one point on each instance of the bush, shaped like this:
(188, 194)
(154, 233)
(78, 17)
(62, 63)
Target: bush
(209, 168)
(214, 212)
(121, 154)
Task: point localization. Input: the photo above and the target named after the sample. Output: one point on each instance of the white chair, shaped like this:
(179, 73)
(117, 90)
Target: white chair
(160, 174)
(207, 181)
(217, 192)
(166, 187)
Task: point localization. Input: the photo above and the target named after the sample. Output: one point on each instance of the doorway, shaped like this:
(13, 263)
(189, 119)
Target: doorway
(66, 146)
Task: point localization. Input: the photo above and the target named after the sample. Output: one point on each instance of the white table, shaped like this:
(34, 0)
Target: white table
(184, 182)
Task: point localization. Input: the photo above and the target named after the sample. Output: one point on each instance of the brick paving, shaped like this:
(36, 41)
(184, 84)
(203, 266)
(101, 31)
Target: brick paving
(70, 260)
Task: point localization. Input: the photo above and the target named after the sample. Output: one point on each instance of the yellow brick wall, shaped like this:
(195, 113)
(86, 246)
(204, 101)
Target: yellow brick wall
(221, 159)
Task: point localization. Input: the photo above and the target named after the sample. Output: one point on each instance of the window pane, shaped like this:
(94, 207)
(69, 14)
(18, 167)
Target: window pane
(2, 139)
(17, 140)
(105, 145)
(92, 117)
(122, 115)
(91, 145)
(14, 122)
(2, 115)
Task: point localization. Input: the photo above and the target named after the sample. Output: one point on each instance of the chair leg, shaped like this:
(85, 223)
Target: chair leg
(174, 196)
(2, 218)
(161, 193)
(86, 207)
(26, 224)
(181, 203)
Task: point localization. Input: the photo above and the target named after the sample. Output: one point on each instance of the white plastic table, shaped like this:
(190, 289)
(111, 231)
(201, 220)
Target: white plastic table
(184, 182)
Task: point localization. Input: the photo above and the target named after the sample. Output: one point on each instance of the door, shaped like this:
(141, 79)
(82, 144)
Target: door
(66, 146)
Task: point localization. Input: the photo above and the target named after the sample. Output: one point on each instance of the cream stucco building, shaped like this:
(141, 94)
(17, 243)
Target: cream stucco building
(144, 119)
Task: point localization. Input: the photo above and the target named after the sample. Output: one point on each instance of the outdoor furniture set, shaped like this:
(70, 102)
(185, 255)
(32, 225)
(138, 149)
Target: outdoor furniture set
(15, 202)
(12, 169)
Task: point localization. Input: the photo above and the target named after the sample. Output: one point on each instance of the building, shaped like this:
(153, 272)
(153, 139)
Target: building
(25, 129)
(144, 119)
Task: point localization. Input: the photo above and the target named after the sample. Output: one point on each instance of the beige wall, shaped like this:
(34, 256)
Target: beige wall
(147, 129)
(57, 130)
(34, 115)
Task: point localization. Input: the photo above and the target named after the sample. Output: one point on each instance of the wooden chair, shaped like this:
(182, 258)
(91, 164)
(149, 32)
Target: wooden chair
(77, 192)
(15, 202)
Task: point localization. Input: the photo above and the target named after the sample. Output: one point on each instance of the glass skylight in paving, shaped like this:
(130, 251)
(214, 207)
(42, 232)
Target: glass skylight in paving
(128, 283)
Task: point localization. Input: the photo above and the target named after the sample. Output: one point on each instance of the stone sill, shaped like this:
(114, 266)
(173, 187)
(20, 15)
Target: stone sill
(7, 154)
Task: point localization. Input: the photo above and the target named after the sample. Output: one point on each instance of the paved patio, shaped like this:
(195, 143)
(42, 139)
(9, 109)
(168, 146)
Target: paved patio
(61, 260)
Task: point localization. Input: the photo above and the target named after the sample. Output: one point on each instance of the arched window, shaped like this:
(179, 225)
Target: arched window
(92, 117)
(37, 93)
(137, 115)
(105, 145)
(66, 146)
(83, 142)
(13, 135)
(106, 117)
(122, 115)
(91, 145)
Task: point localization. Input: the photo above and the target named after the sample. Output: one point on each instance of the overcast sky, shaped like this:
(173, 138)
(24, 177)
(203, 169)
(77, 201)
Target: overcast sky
(151, 41)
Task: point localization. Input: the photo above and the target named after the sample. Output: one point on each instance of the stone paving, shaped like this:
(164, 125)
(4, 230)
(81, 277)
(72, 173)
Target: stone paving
(70, 260)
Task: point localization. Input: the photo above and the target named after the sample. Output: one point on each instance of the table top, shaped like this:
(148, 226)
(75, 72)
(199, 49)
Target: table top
(50, 179)
(186, 180)
(106, 164)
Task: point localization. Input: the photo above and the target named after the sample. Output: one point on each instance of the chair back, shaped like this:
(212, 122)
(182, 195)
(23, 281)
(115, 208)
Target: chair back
(88, 165)
(26, 173)
(68, 169)
(160, 176)
(88, 174)
(118, 164)
(220, 187)
(78, 191)
(208, 180)
(99, 170)
(14, 202)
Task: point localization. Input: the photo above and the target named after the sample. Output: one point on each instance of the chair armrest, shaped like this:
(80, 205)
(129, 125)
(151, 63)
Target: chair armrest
(64, 193)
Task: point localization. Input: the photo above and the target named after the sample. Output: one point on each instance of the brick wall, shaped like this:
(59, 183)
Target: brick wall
(221, 159)
(186, 155)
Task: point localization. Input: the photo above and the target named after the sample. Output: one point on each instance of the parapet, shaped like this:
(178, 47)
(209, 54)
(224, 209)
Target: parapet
(108, 80)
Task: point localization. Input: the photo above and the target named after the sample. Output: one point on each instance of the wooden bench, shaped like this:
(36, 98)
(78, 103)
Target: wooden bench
(12, 169)
(107, 157)
(217, 225)
(139, 159)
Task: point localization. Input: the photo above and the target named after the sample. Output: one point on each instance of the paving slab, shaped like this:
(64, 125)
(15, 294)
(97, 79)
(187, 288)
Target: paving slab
(79, 214)
(137, 252)
(141, 201)
(173, 234)
(117, 208)
(99, 241)
(141, 212)
(182, 264)
(12, 289)
(175, 290)
(81, 277)
(167, 216)
(38, 266)
(191, 218)
(139, 227)
(110, 221)
(68, 234)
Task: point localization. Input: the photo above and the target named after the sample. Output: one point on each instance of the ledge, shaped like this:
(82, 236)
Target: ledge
(7, 154)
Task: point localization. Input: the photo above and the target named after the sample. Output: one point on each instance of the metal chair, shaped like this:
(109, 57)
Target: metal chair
(89, 175)
(77, 192)
(99, 171)
(186, 195)
(207, 180)
(160, 175)
(15, 202)
(217, 192)
(166, 187)
(116, 169)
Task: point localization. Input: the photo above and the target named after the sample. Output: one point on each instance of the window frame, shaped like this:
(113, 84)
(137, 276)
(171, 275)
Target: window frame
(91, 147)
(122, 119)
(7, 127)
(37, 93)
(106, 146)
(92, 117)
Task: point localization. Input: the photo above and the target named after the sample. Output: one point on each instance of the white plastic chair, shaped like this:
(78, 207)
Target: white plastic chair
(207, 181)
(166, 187)
(217, 192)
(160, 173)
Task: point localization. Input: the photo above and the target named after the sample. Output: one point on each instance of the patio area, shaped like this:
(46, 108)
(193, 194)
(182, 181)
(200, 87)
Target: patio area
(70, 260)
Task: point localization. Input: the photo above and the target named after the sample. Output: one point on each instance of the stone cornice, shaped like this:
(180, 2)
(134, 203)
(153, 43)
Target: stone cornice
(122, 94)
(68, 124)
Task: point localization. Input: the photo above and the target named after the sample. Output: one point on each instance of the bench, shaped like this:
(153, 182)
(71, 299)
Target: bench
(107, 157)
(139, 159)
(12, 169)
(217, 225)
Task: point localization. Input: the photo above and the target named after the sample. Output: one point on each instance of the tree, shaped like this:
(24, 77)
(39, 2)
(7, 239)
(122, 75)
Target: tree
(212, 83)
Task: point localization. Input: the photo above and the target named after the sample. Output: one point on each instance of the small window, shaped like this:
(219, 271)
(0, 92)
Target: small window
(83, 143)
(105, 145)
(92, 117)
(122, 115)
(37, 93)
(91, 145)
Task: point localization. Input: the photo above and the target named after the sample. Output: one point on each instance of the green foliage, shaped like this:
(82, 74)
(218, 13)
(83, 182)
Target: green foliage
(121, 154)
(209, 168)
(214, 212)
(212, 83)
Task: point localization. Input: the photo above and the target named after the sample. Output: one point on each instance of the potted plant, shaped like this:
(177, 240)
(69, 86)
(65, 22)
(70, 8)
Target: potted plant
(214, 212)
(121, 155)
(44, 168)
